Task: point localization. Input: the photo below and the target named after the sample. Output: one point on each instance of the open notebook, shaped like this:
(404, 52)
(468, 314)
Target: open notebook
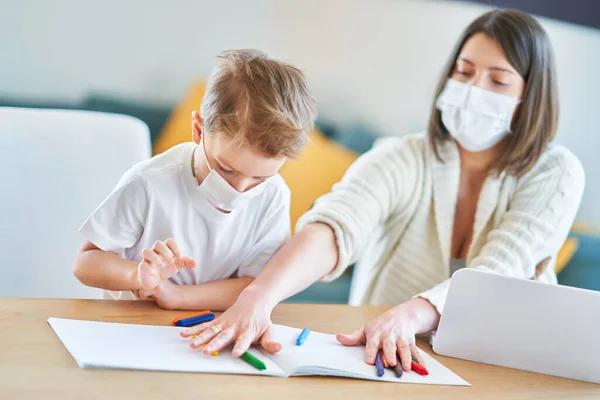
(160, 348)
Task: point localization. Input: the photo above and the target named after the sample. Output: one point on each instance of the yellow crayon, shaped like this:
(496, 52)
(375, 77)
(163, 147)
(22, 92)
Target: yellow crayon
(214, 353)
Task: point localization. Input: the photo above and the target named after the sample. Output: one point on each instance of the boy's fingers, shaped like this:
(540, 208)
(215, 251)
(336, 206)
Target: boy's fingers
(162, 250)
(185, 262)
(152, 258)
(147, 277)
(170, 243)
(188, 262)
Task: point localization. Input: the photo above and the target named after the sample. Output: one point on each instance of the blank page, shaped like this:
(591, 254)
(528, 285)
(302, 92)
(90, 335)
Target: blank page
(144, 347)
(322, 354)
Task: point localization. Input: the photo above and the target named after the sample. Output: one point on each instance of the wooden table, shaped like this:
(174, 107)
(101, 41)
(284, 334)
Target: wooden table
(34, 364)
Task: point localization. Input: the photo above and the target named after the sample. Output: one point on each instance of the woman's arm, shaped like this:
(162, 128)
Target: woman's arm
(302, 260)
(331, 236)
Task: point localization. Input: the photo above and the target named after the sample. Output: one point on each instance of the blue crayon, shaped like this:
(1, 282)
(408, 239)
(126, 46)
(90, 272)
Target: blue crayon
(379, 365)
(302, 337)
(195, 320)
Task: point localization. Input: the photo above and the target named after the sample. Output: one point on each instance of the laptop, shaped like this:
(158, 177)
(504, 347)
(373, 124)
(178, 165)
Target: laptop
(521, 324)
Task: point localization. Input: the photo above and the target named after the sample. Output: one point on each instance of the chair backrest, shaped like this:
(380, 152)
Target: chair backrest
(56, 167)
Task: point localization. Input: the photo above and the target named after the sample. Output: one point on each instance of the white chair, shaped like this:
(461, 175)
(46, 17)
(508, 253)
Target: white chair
(56, 167)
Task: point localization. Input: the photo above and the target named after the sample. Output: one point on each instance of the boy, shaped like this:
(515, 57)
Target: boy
(190, 228)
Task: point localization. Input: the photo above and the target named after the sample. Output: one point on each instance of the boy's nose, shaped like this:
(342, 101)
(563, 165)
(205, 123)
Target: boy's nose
(243, 184)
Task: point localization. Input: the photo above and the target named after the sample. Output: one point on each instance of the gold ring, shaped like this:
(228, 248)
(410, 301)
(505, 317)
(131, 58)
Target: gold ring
(216, 329)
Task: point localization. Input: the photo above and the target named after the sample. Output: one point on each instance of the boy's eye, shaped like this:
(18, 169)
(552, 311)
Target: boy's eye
(225, 171)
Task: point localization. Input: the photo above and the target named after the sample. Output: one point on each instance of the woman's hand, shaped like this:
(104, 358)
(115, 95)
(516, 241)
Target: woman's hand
(248, 321)
(394, 331)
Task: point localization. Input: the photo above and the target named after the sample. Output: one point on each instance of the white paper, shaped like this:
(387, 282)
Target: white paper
(144, 347)
(322, 354)
(161, 348)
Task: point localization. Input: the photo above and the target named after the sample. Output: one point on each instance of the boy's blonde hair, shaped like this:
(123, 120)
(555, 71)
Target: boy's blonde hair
(260, 102)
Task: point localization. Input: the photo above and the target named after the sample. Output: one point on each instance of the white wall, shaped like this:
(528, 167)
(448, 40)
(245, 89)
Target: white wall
(149, 49)
(368, 61)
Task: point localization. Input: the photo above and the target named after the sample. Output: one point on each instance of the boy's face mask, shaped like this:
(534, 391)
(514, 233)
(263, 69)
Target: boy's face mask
(477, 118)
(219, 193)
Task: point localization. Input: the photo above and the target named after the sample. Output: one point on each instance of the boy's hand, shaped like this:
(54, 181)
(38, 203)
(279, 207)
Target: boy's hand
(167, 295)
(161, 262)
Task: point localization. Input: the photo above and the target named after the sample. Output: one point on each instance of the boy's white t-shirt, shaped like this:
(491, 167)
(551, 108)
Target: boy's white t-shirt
(159, 199)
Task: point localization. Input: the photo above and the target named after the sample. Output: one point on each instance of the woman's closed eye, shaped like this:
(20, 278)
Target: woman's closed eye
(496, 82)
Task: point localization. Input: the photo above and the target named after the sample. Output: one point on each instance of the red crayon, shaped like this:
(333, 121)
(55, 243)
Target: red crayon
(418, 368)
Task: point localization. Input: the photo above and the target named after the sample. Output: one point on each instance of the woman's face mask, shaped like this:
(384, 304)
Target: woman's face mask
(480, 98)
(477, 118)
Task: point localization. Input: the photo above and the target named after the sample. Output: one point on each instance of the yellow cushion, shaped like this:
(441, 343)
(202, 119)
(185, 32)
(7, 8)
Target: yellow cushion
(565, 254)
(571, 245)
(322, 164)
(178, 128)
(585, 229)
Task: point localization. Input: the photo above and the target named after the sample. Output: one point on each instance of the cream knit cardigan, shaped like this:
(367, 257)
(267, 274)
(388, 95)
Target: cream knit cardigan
(393, 213)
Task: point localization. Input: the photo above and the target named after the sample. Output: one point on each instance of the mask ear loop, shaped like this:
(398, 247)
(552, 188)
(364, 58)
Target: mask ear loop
(195, 170)
(204, 152)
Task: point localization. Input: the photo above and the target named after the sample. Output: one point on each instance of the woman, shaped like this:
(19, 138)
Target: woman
(482, 188)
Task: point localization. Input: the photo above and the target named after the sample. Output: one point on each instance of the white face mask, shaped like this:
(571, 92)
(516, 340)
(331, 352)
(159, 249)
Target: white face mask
(477, 118)
(219, 193)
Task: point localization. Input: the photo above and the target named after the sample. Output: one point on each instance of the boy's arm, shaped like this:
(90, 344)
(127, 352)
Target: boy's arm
(113, 227)
(106, 270)
(103, 269)
(215, 296)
